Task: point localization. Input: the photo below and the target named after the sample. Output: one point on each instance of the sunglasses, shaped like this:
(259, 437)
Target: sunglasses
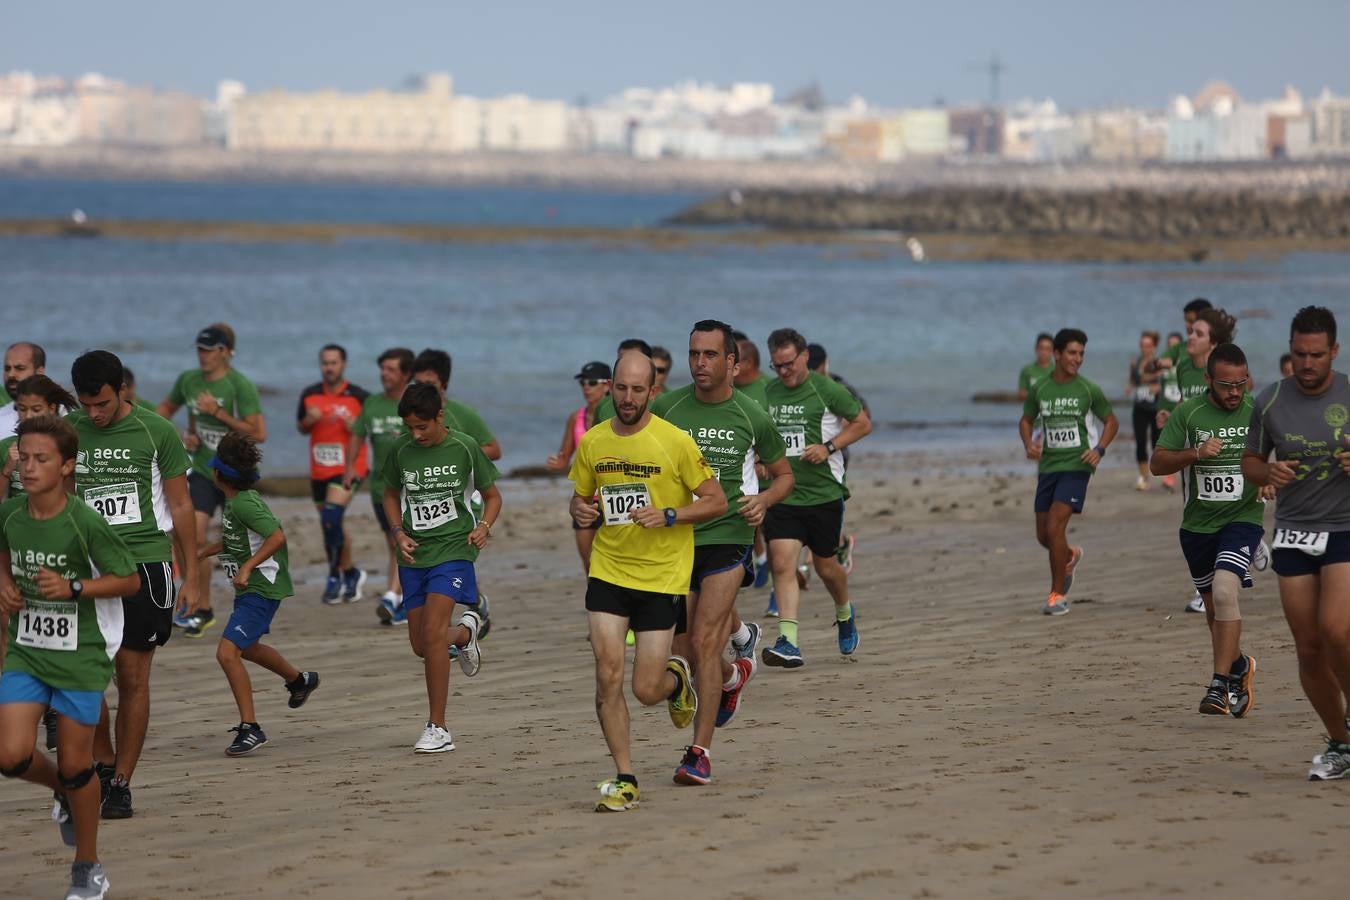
(661, 370)
(784, 366)
(1230, 385)
(593, 382)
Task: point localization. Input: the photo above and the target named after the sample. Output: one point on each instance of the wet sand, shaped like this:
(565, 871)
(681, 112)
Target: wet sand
(972, 747)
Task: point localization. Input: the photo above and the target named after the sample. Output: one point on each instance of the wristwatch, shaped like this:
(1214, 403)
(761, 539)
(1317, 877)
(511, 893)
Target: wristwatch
(830, 447)
(1101, 451)
(76, 588)
(670, 516)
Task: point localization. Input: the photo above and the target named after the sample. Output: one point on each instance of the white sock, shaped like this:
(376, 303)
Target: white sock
(741, 637)
(761, 559)
(735, 679)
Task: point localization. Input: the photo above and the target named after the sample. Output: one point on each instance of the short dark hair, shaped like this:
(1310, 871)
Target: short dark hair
(1151, 335)
(1196, 305)
(1225, 353)
(61, 431)
(1044, 336)
(661, 353)
(240, 452)
(739, 336)
(1066, 336)
(342, 351)
(1176, 334)
(92, 370)
(635, 344)
(1286, 358)
(784, 337)
(421, 400)
(749, 351)
(39, 355)
(402, 354)
(51, 393)
(728, 336)
(1314, 320)
(432, 360)
(1222, 326)
(128, 376)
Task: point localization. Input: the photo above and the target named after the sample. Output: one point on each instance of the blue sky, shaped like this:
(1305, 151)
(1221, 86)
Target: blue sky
(897, 53)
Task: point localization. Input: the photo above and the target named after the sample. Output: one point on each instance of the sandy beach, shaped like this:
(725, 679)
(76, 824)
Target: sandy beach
(971, 748)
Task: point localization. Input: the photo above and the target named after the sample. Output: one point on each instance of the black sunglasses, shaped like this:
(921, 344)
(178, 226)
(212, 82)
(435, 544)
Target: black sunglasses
(661, 370)
(593, 382)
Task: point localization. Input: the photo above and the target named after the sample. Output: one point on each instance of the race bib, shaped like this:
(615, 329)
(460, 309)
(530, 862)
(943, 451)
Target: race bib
(618, 500)
(118, 504)
(1062, 437)
(329, 455)
(231, 568)
(432, 512)
(210, 436)
(794, 437)
(1223, 485)
(1313, 543)
(1172, 392)
(48, 626)
(1143, 394)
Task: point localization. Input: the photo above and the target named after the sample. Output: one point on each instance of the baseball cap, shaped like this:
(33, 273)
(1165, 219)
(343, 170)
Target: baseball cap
(815, 355)
(210, 338)
(593, 371)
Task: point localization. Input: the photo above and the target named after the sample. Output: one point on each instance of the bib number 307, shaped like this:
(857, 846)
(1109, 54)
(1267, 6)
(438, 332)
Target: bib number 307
(1313, 543)
(48, 626)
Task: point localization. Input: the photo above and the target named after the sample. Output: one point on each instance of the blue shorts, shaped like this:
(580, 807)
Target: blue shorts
(1069, 488)
(1291, 563)
(251, 619)
(454, 579)
(79, 706)
(1230, 548)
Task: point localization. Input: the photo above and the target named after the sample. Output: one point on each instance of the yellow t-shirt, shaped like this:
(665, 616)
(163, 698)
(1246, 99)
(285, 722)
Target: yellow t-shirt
(659, 466)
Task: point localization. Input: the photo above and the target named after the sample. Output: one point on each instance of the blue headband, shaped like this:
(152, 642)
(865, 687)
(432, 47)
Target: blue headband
(230, 471)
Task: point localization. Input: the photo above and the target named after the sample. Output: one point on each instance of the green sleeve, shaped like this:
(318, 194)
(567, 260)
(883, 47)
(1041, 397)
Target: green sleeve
(474, 426)
(392, 473)
(7, 509)
(1173, 435)
(254, 515)
(1101, 407)
(177, 396)
(173, 458)
(661, 405)
(839, 399)
(485, 474)
(769, 446)
(1024, 379)
(247, 401)
(1031, 407)
(361, 424)
(108, 551)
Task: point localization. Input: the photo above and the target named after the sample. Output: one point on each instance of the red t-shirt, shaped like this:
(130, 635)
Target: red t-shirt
(328, 438)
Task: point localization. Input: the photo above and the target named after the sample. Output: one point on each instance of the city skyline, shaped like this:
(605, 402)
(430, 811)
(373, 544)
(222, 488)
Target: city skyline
(900, 55)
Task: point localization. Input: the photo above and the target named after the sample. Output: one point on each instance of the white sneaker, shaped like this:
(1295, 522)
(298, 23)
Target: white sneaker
(1196, 604)
(470, 661)
(434, 740)
(1261, 557)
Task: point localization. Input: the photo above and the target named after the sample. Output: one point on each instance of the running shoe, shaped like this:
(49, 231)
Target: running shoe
(117, 804)
(181, 618)
(848, 634)
(87, 882)
(804, 577)
(1170, 483)
(747, 650)
(1056, 605)
(299, 694)
(1075, 557)
(761, 573)
(353, 580)
(332, 590)
(249, 738)
(105, 777)
(616, 795)
(1331, 764)
(454, 652)
(845, 554)
(1196, 604)
(1261, 556)
(1318, 758)
(434, 739)
(49, 723)
(694, 768)
(61, 816)
(772, 611)
(470, 661)
(198, 622)
(1215, 702)
(1240, 699)
(1141, 483)
(484, 614)
(630, 639)
(783, 653)
(684, 702)
(731, 700)
(387, 609)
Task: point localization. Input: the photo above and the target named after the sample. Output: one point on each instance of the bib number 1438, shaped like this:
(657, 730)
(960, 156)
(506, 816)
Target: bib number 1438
(48, 626)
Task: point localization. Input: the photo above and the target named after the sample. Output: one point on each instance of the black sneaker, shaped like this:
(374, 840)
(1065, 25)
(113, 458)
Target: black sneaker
(1216, 698)
(1240, 688)
(484, 615)
(105, 777)
(49, 720)
(250, 738)
(117, 802)
(308, 682)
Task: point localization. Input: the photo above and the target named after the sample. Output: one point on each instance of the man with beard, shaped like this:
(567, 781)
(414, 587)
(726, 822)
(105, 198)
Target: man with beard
(21, 360)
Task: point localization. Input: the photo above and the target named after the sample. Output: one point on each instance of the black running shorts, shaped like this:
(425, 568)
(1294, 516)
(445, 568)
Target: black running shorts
(817, 527)
(147, 615)
(645, 610)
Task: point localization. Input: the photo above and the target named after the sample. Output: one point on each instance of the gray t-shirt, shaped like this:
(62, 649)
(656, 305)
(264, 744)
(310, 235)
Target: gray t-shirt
(1308, 430)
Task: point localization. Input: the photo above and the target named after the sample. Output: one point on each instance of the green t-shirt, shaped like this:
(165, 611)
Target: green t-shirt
(1072, 415)
(380, 421)
(65, 644)
(145, 404)
(15, 482)
(1180, 383)
(235, 394)
(730, 435)
(245, 523)
(812, 413)
(120, 472)
(1216, 494)
(437, 484)
(462, 417)
(755, 390)
(1032, 375)
(604, 410)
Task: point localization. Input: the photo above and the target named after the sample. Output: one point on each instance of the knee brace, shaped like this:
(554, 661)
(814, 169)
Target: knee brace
(1225, 596)
(330, 517)
(18, 770)
(76, 781)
